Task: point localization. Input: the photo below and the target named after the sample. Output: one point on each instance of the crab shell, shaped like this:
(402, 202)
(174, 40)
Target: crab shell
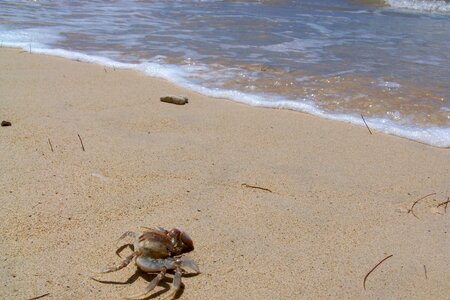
(155, 244)
(160, 243)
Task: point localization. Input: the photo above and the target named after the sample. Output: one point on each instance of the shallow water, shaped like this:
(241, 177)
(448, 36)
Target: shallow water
(388, 60)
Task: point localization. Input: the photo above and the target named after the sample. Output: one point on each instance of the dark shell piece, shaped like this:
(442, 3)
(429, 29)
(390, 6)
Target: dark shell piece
(179, 100)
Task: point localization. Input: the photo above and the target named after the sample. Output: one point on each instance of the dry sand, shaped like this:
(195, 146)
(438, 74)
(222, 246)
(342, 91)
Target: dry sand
(339, 201)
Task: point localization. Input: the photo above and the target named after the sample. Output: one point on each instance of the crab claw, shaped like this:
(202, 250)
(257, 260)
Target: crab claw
(181, 239)
(189, 263)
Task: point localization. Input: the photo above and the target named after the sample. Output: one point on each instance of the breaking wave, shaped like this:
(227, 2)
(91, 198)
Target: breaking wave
(421, 5)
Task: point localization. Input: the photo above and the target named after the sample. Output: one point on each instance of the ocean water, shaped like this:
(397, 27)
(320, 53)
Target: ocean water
(387, 60)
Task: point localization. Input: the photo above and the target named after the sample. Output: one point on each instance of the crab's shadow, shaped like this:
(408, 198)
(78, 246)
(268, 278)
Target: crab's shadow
(164, 283)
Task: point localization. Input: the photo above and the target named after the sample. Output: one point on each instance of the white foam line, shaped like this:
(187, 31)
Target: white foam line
(421, 5)
(434, 136)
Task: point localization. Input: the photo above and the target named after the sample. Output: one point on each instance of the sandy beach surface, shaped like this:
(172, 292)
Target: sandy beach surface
(338, 203)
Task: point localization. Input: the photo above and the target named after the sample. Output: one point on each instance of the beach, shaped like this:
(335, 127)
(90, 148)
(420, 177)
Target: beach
(280, 204)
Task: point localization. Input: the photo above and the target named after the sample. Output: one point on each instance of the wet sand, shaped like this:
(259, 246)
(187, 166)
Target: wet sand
(338, 200)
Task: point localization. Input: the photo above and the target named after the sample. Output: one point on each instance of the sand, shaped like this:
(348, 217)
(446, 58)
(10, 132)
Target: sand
(338, 200)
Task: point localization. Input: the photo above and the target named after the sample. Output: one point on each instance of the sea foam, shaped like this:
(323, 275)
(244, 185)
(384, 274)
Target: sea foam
(421, 5)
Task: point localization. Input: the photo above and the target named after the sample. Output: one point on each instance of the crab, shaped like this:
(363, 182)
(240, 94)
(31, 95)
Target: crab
(158, 250)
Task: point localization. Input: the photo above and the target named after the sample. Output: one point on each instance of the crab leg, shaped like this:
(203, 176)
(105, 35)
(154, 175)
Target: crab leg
(132, 235)
(157, 228)
(149, 287)
(121, 265)
(176, 281)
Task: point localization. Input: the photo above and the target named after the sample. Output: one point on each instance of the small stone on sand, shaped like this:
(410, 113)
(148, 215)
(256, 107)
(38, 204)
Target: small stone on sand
(6, 123)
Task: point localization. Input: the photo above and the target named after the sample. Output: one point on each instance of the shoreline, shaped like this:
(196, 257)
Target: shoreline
(338, 200)
(433, 136)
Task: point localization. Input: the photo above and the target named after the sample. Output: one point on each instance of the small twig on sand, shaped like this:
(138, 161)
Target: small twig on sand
(255, 187)
(362, 117)
(444, 203)
(39, 297)
(425, 270)
(417, 201)
(371, 270)
(50, 143)
(81, 141)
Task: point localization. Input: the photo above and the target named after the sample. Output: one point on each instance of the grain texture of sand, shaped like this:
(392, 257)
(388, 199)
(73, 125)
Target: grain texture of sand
(338, 200)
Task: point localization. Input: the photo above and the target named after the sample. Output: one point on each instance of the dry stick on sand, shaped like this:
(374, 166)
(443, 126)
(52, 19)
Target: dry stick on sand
(444, 203)
(371, 270)
(81, 141)
(415, 202)
(255, 187)
(50, 143)
(425, 270)
(39, 297)
(362, 117)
